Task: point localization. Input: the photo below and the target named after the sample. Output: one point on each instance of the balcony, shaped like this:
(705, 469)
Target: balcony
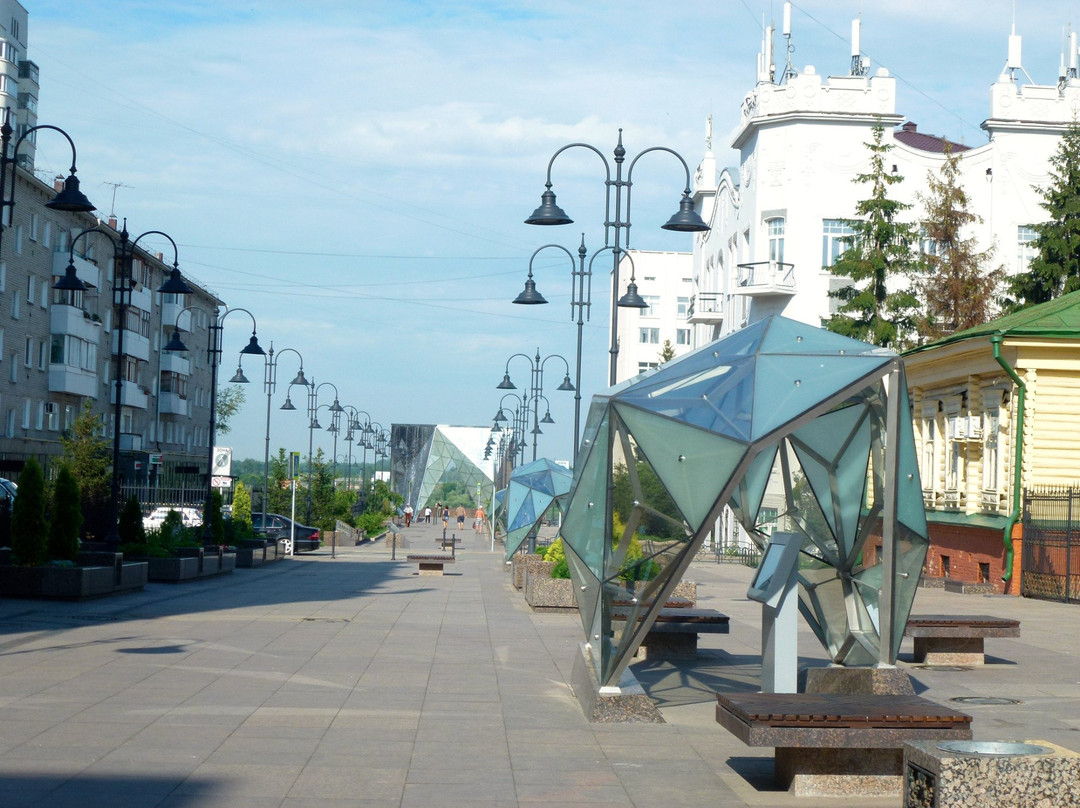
(132, 395)
(172, 404)
(130, 442)
(135, 344)
(74, 380)
(73, 321)
(766, 279)
(174, 362)
(706, 308)
(88, 272)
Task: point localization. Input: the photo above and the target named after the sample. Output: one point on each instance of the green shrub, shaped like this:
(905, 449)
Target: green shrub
(129, 527)
(241, 510)
(67, 517)
(29, 529)
(371, 522)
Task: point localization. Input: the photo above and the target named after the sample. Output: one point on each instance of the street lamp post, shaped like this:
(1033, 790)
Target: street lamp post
(685, 220)
(70, 199)
(580, 303)
(213, 355)
(123, 285)
(534, 392)
(313, 413)
(269, 385)
(350, 435)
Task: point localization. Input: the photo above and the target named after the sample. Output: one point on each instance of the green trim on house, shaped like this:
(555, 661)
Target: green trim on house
(1056, 319)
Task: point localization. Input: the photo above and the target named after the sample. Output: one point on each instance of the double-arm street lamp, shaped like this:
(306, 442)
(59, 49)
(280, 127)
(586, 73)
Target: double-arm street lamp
(534, 392)
(580, 303)
(69, 199)
(313, 416)
(270, 385)
(213, 355)
(685, 220)
(123, 286)
(364, 428)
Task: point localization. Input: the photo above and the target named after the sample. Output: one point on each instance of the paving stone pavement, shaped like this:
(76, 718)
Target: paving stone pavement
(320, 681)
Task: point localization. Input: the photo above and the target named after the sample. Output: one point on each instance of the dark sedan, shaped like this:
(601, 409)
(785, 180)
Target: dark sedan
(280, 528)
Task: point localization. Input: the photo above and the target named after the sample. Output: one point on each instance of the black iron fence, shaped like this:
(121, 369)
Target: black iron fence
(1050, 560)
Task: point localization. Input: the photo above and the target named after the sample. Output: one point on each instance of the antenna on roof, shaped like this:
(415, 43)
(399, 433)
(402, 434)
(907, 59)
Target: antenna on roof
(115, 185)
(1013, 62)
(859, 66)
(789, 69)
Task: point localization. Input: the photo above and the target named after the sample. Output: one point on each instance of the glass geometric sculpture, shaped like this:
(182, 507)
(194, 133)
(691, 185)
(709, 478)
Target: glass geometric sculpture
(779, 406)
(529, 494)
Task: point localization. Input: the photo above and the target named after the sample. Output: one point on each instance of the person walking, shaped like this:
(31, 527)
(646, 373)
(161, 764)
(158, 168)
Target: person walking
(478, 520)
(427, 514)
(445, 517)
(408, 515)
(460, 513)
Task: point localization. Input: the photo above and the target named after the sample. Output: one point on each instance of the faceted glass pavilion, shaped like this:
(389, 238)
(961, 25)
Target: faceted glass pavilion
(662, 455)
(531, 491)
(425, 459)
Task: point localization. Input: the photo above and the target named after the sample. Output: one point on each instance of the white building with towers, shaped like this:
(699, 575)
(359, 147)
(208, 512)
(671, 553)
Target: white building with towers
(775, 216)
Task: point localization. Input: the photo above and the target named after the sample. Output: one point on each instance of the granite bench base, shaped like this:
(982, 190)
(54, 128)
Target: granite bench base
(838, 744)
(955, 640)
(430, 564)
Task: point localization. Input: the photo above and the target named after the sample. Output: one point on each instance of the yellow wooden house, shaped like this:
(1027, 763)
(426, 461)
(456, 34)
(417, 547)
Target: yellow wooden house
(996, 410)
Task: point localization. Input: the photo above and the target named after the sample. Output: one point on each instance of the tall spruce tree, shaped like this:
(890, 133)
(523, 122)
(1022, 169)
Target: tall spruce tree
(959, 284)
(29, 527)
(67, 517)
(1056, 269)
(878, 305)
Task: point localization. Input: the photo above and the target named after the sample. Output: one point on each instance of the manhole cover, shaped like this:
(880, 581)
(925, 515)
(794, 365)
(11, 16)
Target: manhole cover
(99, 618)
(985, 700)
(943, 667)
(325, 620)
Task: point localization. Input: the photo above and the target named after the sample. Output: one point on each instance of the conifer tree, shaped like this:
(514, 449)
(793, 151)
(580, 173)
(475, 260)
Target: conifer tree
(878, 306)
(129, 525)
(958, 286)
(667, 352)
(241, 509)
(67, 517)
(1056, 269)
(29, 528)
(87, 454)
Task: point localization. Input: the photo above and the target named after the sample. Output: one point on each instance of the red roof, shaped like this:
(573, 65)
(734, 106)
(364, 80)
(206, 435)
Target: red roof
(909, 135)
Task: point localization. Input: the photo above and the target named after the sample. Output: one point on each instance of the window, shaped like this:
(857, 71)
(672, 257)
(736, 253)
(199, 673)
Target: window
(10, 431)
(26, 414)
(18, 238)
(643, 366)
(682, 336)
(834, 240)
(35, 226)
(991, 426)
(952, 476)
(30, 290)
(1025, 247)
(69, 416)
(13, 368)
(28, 353)
(39, 421)
(929, 455)
(946, 566)
(775, 227)
(649, 336)
(16, 307)
(43, 355)
(173, 383)
(43, 298)
(52, 416)
(654, 302)
(28, 101)
(67, 298)
(46, 235)
(682, 305)
(3, 276)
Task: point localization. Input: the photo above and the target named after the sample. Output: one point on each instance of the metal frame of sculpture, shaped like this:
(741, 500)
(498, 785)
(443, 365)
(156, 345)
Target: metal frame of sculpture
(668, 450)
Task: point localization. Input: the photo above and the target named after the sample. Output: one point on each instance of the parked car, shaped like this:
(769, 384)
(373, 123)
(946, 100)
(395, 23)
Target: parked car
(190, 517)
(279, 528)
(8, 489)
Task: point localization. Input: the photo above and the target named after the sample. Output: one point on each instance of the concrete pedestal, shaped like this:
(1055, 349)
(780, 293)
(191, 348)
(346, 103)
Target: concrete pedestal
(624, 703)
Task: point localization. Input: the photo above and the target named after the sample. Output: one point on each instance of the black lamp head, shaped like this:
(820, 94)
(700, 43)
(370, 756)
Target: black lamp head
(548, 212)
(686, 220)
(300, 379)
(505, 384)
(175, 284)
(175, 344)
(70, 282)
(567, 385)
(253, 347)
(632, 300)
(239, 377)
(288, 405)
(71, 198)
(530, 296)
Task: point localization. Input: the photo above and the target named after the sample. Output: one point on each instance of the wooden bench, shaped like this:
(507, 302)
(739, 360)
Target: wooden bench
(431, 564)
(674, 634)
(838, 744)
(942, 639)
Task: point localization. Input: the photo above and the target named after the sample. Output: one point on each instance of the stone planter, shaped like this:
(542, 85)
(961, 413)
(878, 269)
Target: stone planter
(251, 553)
(227, 562)
(518, 562)
(57, 582)
(172, 569)
(550, 594)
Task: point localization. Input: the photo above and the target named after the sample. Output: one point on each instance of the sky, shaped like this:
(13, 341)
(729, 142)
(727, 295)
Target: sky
(355, 173)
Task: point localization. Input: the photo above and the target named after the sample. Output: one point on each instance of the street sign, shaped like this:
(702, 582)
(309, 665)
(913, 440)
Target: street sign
(155, 460)
(294, 465)
(221, 482)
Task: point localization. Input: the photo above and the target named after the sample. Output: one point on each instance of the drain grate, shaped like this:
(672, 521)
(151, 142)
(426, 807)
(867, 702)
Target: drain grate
(943, 667)
(94, 618)
(985, 700)
(325, 620)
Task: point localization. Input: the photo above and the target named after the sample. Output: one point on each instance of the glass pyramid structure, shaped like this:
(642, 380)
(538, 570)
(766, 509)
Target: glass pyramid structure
(529, 494)
(662, 455)
(427, 458)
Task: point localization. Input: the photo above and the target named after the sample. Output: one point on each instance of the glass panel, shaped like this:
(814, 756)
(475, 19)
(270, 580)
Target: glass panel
(692, 465)
(587, 590)
(788, 386)
(583, 527)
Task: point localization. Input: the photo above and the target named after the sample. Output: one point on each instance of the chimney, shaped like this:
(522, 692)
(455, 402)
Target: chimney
(58, 183)
(112, 220)
(909, 126)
